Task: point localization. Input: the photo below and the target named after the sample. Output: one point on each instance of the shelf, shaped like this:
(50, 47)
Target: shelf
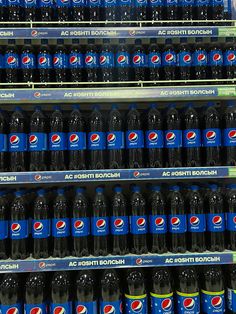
(82, 176)
(149, 260)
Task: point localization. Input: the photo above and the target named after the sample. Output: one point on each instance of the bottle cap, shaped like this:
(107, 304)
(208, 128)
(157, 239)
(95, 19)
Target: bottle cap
(17, 108)
(117, 189)
(174, 188)
(75, 41)
(199, 39)
(41, 192)
(213, 187)
(99, 189)
(19, 193)
(156, 188)
(168, 41)
(189, 105)
(194, 187)
(27, 41)
(231, 186)
(60, 41)
(138, 42)
(3, 192)
(230, 103)
(96, 107)
(80, 190)
(44, 41)
(60, 191)
(57, 108)
(76, 107)
(135, 188)
(170, 106)
(132, 107)
(106, 41)
(37, 108)
(210, 104)
(183, 40)
(153, 106)
(114, 107)
(91, 41)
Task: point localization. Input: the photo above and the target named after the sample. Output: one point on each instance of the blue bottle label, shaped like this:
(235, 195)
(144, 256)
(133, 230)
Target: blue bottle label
(106, 60)
(38, 142)
(63, 3)
(177, 223)
(3, 143)
(136, 304)
(154, 60)
(156, 3)
(115, 140)
(94, 3)
(61, 308)
(138, 224)
(3, 3)
(100, 226)
(14, 2)
(19, 229)
(44, 61)
(96, 140)
(162, 303)
(30, 3)
(122, 59)
(78, 3)
(184, 59)
(186, 3)
(11, 60)
(188, 303)
(134, 139)
(124, 2)
(110, 3)
(213, 302)
(111, 307)
(201, 3)
(211, 137)
(173, 139)
(231, 300)
(35, 309)
(11, 309)
(171, 2)
(76, 60)
(3, 229)
(17, 142)
(28, 61)
(80, 227)
(60, 60)
(215, 58)
(192, 138)
(200, 58)
(216, 3)
(119, 225)
(158, 224)
(154, 139)
(57, 141)
(41, 228)
(229, 137)
(86, 307)
(76, 140)
(45, 3)
(91, 60)
(60, 227)
(229, 57)
(139, 60)
(140, 3)
(231, 221)
(169, 58)
(216, 222)
(196, 223)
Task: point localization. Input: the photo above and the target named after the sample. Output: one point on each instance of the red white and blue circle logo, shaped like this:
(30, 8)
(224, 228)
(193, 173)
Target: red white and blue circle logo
(217, 220)
(121, 59)
(14, 140)
(211, 135)
(59, 310)
(175, 221)
(36, 310)
(38, 226)
(74, 139)
(232, 134)
(42, 60)
(79, 224)
(141, 222)
(166, 304)
(170, 137)
(55, 139)
(191, 136)
(119, 223)
(189, 304)
(15, 227)
(153, 137)
(73, 60)
(201, 57)
(26, 60)
(217, 302)
(155, 59)
(194, 221)
(111, 138)
(187, 58)
(89, 60)
(11, 60)
(81, 309)
(137, 59)
(159, 222)
(133, 137)
(231, 57)
(102, 60)
(101, 223)
(56, 60)
(12, 310)
(136, 306)
(33, 139)
(169, 57)
(109, 309)
(234, 219)
(61, 225)
(95, 138)
(217, 57)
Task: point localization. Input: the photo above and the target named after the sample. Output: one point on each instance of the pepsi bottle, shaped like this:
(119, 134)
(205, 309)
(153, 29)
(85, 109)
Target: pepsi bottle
(91, 59)
(119, 223)
(215, 220)
(100, 224)
(230, 203)
(184, 60)
(140, 10)
(211, 136)
(60, 293)
(44, 62)
(97, 139)
(76, 62)
(41, 226)
(29, 10)
(229, 134)
(229, 57)
(93, 10)
(231, 289)
(171, 8)
(35, 296)
(38, 141)
(10, 294)
(154, 61)
(110, 9)
(17, 139)
(192, 141)
(202, 10)
(125, 11)
(3, 11)
(115, 139)
(215, 58)
(134, 138)
(156, 10)
(45, 10)
(3, 141)
(177, 220)
(173, 137)
(14, 12)
(4, 214)
(60, 225)
(77, 140)
(11, 61)
(80, 224)
(169, 60)
(63, 10)
(78, 13)
(27, 62)
(187, 8)
(154, 138)
(57, 140)
(60, 62)
(217, 10)
(157, 221)
(200, 60)
(139, 61)
(196, 220)
(106, 62)
(19, 229)
(122, 62)
(138, 221)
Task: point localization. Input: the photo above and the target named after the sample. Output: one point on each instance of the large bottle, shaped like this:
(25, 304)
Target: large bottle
(35, 294)
(4, 233)
(27, 62)
(10, 294)
(3, 141)
(200, 60)
(231, 289)
(230, 202)
(60, 294)
(60, 63)
(44, 63)
(11, 61)
(229, 134)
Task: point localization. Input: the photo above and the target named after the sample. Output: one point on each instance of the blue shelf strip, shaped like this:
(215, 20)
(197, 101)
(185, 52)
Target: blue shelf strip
(117, 175)
(149, 260)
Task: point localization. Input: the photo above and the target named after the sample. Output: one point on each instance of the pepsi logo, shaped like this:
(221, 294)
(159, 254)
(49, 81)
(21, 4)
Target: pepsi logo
(169, 57)
(34, 33)
(119, 223)
(79, 225)
(111, 138)
(42, 265)
(155, 59)
(201, 57)
(109, 309)
(153, 137)
(121, 59)
(89, 60)
(61, 225)
(231, 57)
(139, 261)
(131, 32)
(211, 135)
(55, 139)
(38, 177)
(73, 60)
(217, 57)
(166, 304)
(81, 309)
(136, 174)
(26, 60)
(191, 136)
(141, 222)
(102, 60)
(38, 226)
(59, 310)
(217, 302)
(136, 59)
(136, 306)
(42, 60)
(101, 224)
(56, 60)
(133, 137)
(37, 94)
(159, 222)
(29, 1)
(33, 139)
(64, 1)
(12, 310)
(175, 221)
(194, 221)
(170, 137)
(14, 140)
(189, 303)
(187, 58)
(234, 219)
(232, 134)
(95, 138)
(11, 60)
(74, 139)
(217, 220)
(15, 227)
(36, 310)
